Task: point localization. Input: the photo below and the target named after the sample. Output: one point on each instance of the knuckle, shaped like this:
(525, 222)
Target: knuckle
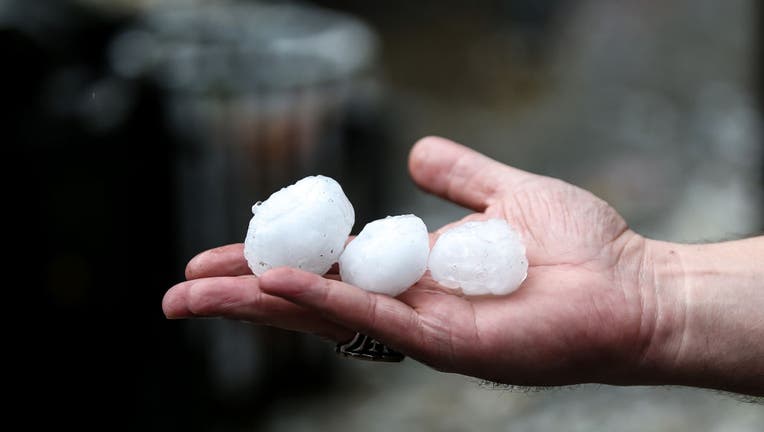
(372, 312)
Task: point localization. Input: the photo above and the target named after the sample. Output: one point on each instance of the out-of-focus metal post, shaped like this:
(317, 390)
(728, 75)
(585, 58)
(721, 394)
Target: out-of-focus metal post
(257, 95)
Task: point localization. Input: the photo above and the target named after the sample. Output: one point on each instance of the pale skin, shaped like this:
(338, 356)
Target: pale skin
(601, 303)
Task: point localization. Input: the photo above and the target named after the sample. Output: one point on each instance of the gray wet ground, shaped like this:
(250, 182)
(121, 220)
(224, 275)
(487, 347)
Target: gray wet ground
(412, 397)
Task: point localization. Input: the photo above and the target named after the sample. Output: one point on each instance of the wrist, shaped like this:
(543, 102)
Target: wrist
(708, 315)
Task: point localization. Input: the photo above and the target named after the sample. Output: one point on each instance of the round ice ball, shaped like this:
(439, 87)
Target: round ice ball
(304, 225)
(484, 257)
(388, 256)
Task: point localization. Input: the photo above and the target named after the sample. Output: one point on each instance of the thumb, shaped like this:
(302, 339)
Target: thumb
(460, 174)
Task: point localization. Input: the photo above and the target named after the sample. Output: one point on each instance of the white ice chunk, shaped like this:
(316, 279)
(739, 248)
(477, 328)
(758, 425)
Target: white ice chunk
(484, 257)
(304, 225)
(388, 256)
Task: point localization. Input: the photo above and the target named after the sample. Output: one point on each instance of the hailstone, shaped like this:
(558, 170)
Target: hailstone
(484, 257)
(304, 225)
(388, 256)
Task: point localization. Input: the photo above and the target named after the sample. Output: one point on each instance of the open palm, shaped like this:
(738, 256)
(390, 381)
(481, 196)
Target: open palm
(580, 316)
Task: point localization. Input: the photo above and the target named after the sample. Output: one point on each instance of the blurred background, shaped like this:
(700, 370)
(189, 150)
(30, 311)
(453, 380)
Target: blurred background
(140, 132)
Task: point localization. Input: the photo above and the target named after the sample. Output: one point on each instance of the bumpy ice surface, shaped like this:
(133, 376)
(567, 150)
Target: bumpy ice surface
(485, 257)
(304, 225)
(388, 256)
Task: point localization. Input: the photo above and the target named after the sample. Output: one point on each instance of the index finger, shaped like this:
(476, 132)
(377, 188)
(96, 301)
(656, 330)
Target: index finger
(381, 317)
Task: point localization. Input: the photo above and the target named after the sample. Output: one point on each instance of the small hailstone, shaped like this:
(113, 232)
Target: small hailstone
(304, 225)
(485, 257)
(388, 256)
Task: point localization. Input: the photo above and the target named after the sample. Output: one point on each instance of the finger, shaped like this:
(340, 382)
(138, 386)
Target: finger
(226, 260)
(459, 174)
(381, 317)
(241, 298)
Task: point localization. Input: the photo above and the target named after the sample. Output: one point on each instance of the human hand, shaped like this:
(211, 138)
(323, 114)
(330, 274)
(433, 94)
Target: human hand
(589, 311)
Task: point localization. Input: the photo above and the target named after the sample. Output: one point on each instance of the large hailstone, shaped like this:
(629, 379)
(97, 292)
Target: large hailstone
(485, 257)
(388, 256)
(304, 225)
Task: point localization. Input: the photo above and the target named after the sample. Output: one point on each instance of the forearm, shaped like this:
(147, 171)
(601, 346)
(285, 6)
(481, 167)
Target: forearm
(709, 315)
